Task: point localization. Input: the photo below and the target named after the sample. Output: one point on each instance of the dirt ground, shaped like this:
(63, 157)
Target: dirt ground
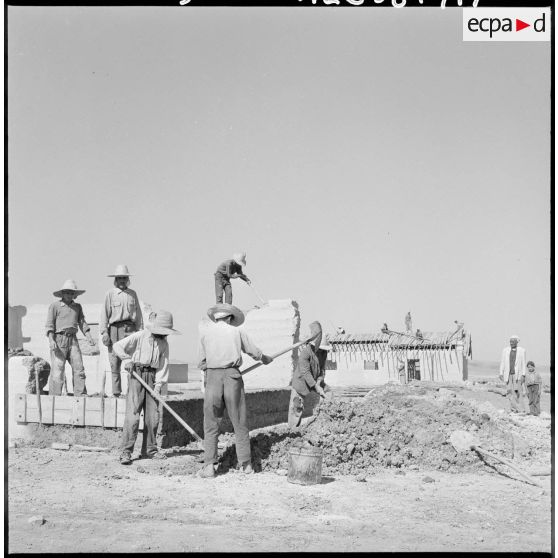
(91, 503)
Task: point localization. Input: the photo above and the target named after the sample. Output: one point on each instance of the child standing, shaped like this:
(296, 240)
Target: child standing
(533, 381)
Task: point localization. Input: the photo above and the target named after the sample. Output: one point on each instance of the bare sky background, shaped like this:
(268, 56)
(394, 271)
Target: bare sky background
(368, 161)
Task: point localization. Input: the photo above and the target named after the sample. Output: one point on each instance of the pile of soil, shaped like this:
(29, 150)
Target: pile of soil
(395, 427)
(39, 365)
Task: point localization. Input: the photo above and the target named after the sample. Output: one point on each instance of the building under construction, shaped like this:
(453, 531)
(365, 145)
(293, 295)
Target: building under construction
(394, 356)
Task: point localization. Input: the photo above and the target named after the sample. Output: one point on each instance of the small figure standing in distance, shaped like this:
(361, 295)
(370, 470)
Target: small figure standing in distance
(220, 356)
(408, 323)
(307, 376)
(120, 317)
(512, 372)
(64, 317)
(533, 381)
(229, 269)
(146, 353)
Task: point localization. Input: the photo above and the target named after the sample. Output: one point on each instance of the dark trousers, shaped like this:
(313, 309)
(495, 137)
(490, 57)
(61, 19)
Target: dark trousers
(223, 284)
(534, 395)
(224, 388)
(136, 400)
(68, 351)
(117, 332)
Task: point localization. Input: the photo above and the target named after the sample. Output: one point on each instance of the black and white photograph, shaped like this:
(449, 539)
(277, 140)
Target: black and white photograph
(278, 277)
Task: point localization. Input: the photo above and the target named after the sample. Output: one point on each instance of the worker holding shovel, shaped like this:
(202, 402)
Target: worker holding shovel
(145, 354)
(308, 375)
(220, 355)
(227, 270)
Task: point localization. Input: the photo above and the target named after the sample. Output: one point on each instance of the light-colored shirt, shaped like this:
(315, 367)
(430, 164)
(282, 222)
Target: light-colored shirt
(62, 316)
(145, 349)
(120, 305)
(221, 346)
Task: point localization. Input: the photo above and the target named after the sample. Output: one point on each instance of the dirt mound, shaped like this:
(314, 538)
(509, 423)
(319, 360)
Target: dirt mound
(398, 427)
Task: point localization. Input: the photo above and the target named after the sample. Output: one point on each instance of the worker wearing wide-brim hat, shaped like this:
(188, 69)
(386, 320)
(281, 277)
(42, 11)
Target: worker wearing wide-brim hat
(120, 316)
(220, 355)
(64, 318)
(227, 270)
(145, 352)
(307, 376)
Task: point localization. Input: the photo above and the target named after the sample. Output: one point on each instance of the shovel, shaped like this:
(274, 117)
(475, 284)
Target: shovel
(463, 441)
(258, 364)
(257, 294)
(168, 408)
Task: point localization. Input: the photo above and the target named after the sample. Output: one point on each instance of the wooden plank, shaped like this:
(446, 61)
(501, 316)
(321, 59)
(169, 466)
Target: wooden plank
(47, 404)
(63, 406)
(78, 411)
(20, 407)
(110, 412)
(93, 411)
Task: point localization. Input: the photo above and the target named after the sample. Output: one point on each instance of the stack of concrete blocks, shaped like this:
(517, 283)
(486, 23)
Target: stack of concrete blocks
(28, 325)
(272, 328)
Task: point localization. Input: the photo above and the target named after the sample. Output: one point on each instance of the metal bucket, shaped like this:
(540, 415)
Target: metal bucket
(305, 465)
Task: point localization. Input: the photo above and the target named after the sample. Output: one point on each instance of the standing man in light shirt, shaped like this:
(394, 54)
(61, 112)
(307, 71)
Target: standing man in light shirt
(120, 317)
(145, 352)
(512, 371)
(220, 355)
(64, 317)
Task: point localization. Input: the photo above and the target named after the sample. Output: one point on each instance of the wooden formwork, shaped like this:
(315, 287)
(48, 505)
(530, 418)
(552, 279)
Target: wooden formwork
(75, 411)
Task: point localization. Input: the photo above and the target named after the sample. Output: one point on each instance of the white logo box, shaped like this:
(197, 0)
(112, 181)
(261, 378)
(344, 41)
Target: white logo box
(499, 24)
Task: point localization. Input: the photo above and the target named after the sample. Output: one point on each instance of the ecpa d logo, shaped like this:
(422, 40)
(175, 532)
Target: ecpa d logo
(506, 24)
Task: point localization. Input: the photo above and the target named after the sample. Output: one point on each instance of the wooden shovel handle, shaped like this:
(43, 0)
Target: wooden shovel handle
(508, 463)
(258, 364)
(167, 407)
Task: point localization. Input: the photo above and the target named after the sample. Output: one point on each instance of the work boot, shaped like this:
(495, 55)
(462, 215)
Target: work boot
(246, 468)
(125, 458)
(157, 455)
(207, 472)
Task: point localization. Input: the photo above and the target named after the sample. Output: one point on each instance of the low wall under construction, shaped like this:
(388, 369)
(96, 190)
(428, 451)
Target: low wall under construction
(265, 408)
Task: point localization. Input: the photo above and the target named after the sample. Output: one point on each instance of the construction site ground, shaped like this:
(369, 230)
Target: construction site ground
(91, 503)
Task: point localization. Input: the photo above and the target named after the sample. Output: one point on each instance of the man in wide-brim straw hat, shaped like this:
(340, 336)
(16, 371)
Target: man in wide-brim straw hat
(120, 317)
(146, 352)
(64, 317)
(227, 270)
(220, 355)
(308, 375)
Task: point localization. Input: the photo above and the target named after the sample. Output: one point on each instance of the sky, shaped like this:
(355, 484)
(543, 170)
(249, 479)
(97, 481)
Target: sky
(368, 161)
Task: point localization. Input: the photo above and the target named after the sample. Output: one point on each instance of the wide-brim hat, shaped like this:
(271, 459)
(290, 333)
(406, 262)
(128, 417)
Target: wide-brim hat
(121, 271)
(240, 258)
(224, 309)
(69, 285)
(162, 324)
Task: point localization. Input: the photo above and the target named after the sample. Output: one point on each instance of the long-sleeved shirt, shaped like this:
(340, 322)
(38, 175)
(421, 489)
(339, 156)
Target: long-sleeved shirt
(120, 305)
(532, 378)
(62, 316)
(221, 346)
(145, 349)
(228, 268)
(308, 372)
